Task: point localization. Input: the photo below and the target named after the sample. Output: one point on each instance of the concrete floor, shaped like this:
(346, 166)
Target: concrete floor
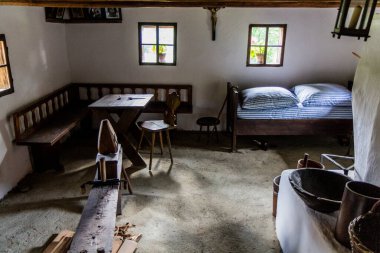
(209, 201)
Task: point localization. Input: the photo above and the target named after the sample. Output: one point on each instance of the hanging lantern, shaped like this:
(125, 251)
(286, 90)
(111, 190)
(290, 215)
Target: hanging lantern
(354, 18)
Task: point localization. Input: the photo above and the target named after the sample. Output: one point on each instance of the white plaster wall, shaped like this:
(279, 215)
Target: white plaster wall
(109, 52)
(39, 63)
(366, 103)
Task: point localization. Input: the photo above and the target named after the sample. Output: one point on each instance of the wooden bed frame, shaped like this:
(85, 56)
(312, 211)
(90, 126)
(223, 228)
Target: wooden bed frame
(236, 126)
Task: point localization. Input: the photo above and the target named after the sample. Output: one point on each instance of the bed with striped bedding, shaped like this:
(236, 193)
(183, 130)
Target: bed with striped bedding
(322, 112)
(311, 115)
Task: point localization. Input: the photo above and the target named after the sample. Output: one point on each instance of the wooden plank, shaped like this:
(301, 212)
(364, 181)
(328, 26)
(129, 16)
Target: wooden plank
(122, 101)
(97, 224)
(60, 243)
(174, 3)
(128, 246)
(116, 244)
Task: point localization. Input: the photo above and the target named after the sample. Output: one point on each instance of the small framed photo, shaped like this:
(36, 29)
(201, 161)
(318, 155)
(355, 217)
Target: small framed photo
(77, 13)
(113, 13)
(95, 13)
(60, 13)
(50, 13)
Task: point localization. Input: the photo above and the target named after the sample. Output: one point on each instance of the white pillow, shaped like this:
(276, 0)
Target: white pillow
(267, 98)
(323, 94)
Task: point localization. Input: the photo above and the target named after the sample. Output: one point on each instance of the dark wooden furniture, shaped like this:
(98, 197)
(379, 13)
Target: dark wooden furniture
(91, 92)
(208, 122)
(153, 127)
(159, 126)
(128, 107)
(237, 127)
(44, 123)
(211, 122)
(96, 227)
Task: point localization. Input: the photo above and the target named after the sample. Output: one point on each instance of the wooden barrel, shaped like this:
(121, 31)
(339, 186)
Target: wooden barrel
(310, 164)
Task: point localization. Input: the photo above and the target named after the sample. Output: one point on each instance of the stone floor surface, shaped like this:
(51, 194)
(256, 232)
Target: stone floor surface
(209, 200)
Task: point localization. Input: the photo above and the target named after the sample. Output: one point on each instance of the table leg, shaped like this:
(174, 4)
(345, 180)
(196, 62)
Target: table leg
(130, 152)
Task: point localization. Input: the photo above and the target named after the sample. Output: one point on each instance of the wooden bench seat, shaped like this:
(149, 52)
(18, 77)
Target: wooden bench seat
(58, 127)
(42, 124)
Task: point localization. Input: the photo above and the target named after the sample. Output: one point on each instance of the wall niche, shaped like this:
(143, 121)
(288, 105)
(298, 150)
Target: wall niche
(83, 15)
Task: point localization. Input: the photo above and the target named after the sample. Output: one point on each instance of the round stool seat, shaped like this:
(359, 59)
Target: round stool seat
(154, 125)
(208, 121)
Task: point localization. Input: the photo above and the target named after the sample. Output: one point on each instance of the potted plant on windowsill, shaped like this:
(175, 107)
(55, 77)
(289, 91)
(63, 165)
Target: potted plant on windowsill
(161, 53)
(258, 53)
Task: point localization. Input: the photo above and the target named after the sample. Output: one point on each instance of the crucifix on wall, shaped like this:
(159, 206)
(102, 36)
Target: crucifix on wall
(214, 18)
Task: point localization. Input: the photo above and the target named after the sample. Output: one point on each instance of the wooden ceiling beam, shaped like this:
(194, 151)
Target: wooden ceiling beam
(175, 3)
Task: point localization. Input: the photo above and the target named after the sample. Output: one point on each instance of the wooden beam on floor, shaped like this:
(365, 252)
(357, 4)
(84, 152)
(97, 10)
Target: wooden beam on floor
(96, 227)
(175, 3)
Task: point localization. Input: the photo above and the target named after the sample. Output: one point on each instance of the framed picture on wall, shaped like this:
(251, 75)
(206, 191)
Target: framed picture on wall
(95, 13)
(113, 13)
(50, 13)
(83, 15)
(77, 13)
(54, 13)
(60, 13)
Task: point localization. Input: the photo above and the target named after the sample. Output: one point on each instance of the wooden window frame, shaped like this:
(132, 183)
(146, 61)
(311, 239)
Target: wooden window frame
(8, 66)
(267, 26)
(157, 25)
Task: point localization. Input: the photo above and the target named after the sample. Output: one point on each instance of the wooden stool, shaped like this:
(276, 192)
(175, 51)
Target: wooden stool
(153, 127)
(209, 122)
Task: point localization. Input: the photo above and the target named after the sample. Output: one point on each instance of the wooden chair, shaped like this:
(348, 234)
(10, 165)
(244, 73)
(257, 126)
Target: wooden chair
(159, 126)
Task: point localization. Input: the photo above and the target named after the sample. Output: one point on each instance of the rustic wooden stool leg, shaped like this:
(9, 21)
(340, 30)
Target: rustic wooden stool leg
(151, 149)
(141, 139)
(126, 177)
(118, 207)
(200, 132)
(216, 132)
(208, 134)
(169, 145)
(161, 143)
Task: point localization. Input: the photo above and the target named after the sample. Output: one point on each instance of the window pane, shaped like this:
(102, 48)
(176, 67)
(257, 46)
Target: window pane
(258, 35)
(274, 55)
(148, 34)
(2, 54)
(257, 55)
(4, 78)
(166, 35)
(275, 35)
(166, 54)
(149, 54)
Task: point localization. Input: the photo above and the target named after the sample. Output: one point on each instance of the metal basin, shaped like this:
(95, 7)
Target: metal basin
(321, 190)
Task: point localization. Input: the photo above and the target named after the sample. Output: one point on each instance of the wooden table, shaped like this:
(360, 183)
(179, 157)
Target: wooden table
(128, 107)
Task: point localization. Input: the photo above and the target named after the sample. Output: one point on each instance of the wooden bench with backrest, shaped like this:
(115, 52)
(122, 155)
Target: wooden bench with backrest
(44, 123)
(91, 92)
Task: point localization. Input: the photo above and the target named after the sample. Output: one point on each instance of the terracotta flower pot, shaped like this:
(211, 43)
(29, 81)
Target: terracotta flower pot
(162, 57)
(260, 58)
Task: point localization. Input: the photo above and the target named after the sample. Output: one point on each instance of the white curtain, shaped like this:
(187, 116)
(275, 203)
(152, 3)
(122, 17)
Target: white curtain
(366, 109)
